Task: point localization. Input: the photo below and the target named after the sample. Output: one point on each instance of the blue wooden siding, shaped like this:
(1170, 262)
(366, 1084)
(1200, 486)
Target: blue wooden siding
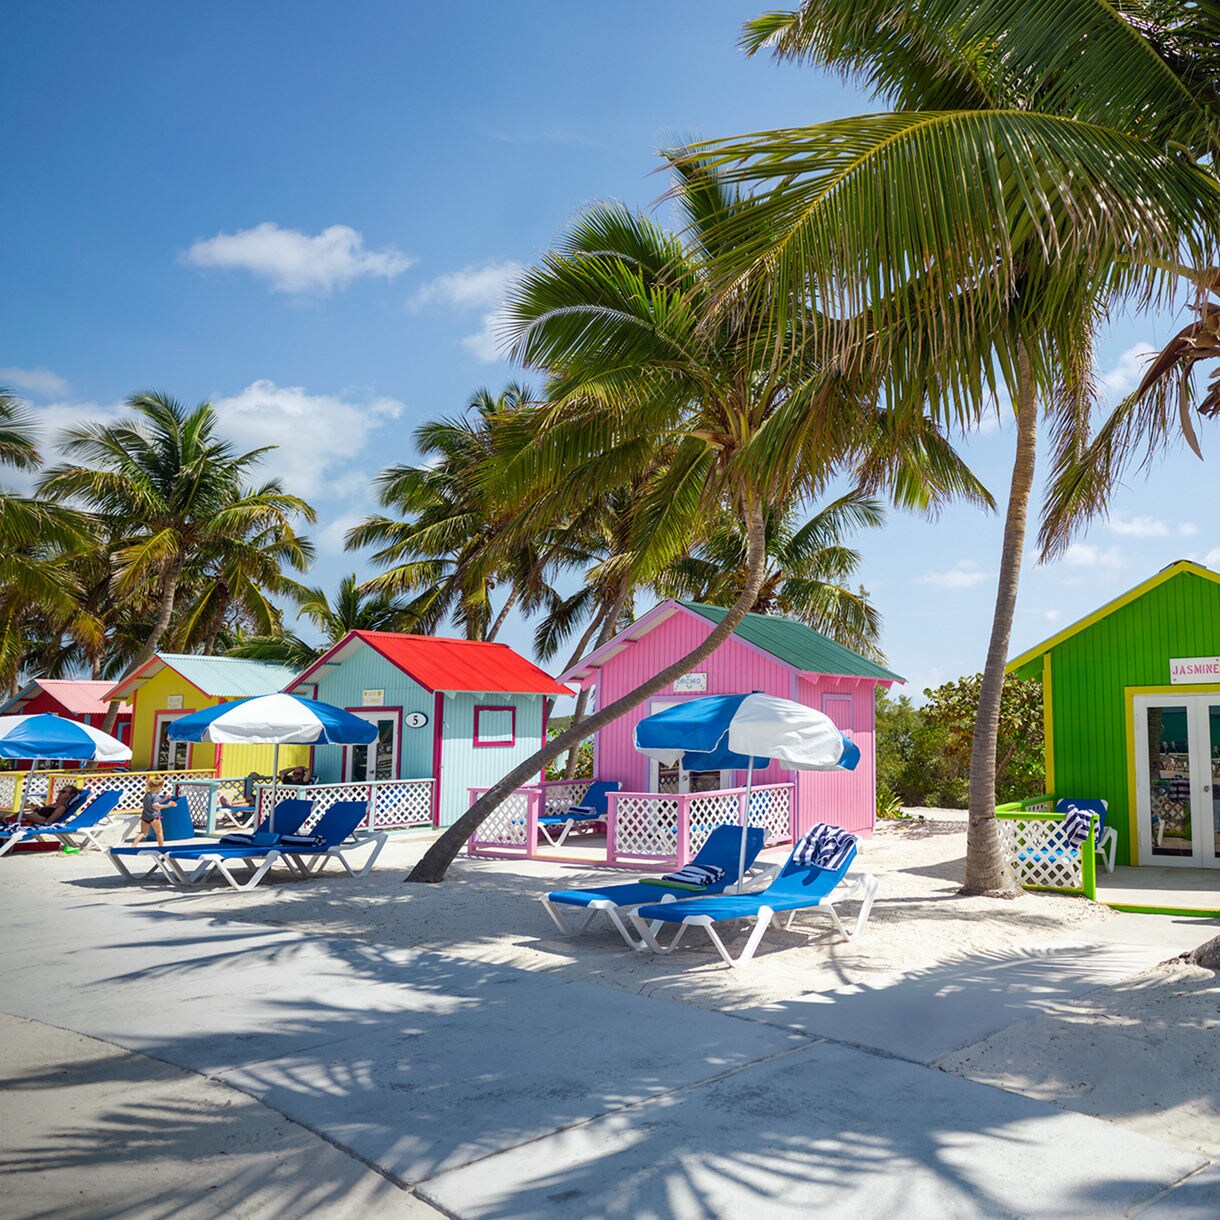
(465, 765)
(344, 685)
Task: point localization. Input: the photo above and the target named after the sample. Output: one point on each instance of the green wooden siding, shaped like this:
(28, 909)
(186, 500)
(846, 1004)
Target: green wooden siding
(1091, 672)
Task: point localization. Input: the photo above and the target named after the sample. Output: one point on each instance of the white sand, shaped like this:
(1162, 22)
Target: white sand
(1142, 1054)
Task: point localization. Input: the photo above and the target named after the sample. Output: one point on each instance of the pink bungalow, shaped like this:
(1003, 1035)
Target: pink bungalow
(663, 813)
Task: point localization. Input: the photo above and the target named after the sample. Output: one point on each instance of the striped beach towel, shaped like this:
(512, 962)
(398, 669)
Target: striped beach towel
(824, 847)
(695, 874)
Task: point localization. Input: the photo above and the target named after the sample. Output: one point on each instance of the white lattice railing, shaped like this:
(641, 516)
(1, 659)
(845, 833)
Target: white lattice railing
(396, 804)
(643, 828)
(10, 787)
(131, 785)
(1031, 839)
(672, 827)
(559, 795)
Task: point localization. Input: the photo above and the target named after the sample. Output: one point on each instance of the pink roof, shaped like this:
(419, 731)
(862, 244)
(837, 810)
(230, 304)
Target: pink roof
(81, 697)
(438, 664)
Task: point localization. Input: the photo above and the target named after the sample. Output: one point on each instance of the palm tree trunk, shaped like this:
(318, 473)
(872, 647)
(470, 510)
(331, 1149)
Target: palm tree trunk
(169, 592)
(985, 866)
(508, 605)
(436, 860)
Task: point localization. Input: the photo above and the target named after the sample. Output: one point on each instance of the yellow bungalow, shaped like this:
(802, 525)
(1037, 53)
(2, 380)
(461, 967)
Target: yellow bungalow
(175, 684)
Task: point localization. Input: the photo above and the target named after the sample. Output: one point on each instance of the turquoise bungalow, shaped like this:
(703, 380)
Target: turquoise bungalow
(464, 712)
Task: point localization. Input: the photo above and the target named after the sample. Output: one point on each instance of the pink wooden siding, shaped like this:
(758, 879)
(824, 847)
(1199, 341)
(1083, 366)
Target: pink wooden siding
(844, 798)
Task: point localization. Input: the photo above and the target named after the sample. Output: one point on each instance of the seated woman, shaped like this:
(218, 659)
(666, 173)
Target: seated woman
(296, 776)
(57, 810)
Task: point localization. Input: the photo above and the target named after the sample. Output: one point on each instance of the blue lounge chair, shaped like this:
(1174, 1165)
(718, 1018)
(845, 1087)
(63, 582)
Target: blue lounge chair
(721, 850)
(78, 829)
(798, 887)
(556, 827)
(1053, 843)
(179, 832)
(1105, 841)
(304, 855)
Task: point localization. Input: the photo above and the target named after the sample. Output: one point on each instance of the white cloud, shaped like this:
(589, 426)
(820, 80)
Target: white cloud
(317, 434)
(470, 288)
(296, 263)
(1150, 527)
(330, 537)
(481, 287)
(1212, 558)
(1052, 616)
(1083, 555)
(1128, 372)
(40, 382)
(965, 575)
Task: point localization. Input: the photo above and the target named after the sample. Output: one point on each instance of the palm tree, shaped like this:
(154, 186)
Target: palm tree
(236, 580)
(37, 583)
(628, 321)
(452, 539)
(355, 608)
(1045, 162)
(171, 490)
(807, 570)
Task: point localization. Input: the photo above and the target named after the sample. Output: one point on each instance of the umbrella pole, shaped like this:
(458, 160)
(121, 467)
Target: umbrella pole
(275, 783)
(745, 827)
(25, 789)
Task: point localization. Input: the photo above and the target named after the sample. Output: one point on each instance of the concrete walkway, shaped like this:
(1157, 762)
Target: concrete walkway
(396, 1079)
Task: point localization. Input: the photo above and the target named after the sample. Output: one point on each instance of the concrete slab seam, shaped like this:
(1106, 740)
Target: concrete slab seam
(380, 1170)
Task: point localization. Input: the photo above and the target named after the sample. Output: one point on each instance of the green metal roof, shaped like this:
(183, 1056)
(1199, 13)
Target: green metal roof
(229, 677)
(798, 645)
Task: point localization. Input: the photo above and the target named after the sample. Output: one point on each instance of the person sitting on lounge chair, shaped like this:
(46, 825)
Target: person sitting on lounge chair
(296, 775)
(57, 810)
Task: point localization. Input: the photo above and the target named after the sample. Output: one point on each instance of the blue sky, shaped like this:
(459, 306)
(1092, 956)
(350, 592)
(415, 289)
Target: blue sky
(307, 212)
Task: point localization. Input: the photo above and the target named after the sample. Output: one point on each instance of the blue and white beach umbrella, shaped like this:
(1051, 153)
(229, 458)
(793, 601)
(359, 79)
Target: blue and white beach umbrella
(745, 731)
(46, 735)
(276, 720)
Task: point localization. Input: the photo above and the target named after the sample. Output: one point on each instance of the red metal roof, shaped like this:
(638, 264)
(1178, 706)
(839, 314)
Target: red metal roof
(80, 696)
(467, 665)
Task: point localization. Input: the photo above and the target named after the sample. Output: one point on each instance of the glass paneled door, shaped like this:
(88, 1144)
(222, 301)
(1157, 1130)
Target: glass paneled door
(379, 760)
(1177, 777)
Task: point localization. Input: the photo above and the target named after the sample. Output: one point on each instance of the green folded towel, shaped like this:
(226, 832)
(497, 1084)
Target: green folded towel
(672, 885)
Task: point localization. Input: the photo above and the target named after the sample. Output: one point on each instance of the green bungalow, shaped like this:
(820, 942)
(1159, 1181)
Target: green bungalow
(1131, 700)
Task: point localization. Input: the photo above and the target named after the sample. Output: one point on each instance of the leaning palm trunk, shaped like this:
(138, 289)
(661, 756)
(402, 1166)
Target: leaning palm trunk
(508, 605)
(441, 854)
(985, 866)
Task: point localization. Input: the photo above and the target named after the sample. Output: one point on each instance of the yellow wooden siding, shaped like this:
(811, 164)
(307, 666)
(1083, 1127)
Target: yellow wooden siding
(154, 696)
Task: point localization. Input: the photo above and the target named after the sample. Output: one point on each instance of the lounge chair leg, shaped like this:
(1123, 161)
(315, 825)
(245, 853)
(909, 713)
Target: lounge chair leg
(756, 935)
(869, 883)
(549, 907)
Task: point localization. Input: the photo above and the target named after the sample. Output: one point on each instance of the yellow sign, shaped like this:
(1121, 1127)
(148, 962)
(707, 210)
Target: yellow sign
(372, 698)
(173, 702)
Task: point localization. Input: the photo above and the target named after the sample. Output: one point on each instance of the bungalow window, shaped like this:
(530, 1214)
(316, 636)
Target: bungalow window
(495, 726)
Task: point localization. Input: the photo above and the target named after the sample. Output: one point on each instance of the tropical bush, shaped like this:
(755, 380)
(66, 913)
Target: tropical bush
(923, 753)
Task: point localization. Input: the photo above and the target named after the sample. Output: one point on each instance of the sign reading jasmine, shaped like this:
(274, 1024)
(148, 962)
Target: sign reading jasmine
(1186, 670)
